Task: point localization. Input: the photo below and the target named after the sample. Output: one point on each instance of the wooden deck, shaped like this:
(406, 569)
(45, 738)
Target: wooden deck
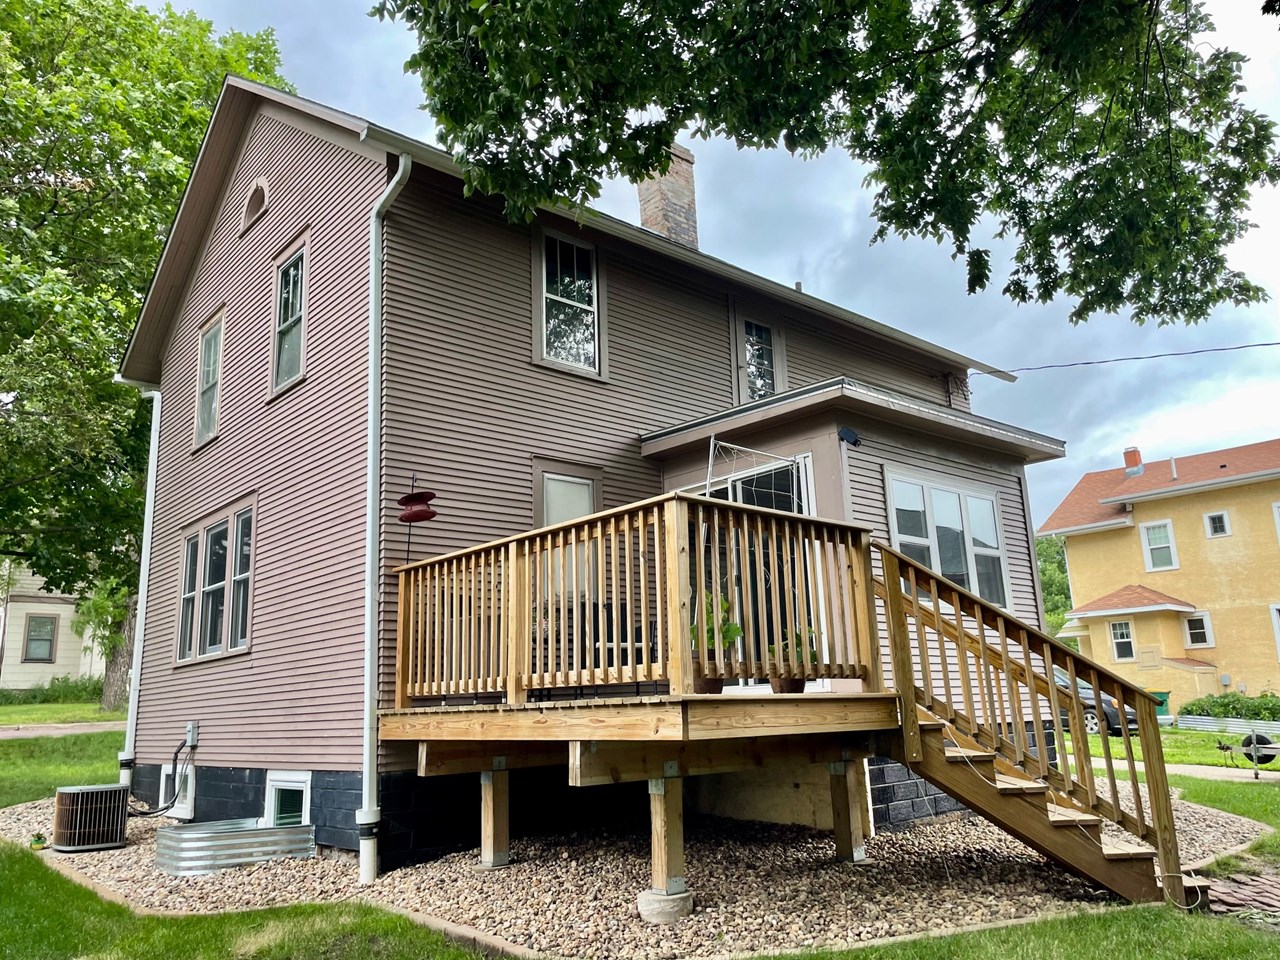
(531, 651)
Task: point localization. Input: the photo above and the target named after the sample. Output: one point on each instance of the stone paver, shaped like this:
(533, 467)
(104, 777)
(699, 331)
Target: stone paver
(1240, 893)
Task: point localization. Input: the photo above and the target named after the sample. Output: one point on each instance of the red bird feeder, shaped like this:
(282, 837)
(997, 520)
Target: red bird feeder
(417, 506)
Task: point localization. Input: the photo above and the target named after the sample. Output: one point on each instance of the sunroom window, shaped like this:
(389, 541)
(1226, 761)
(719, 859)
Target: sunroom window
(955, 533)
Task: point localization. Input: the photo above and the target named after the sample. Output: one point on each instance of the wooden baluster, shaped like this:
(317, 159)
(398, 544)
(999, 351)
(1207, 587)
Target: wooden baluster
(1158, 796)
(1080, 738)
(596, 554)
(863, 588)
(405, 642)
(990, 713)
(569, 615)
(661, 592)
(434, 675)
(804, 602)
(1055, 708)
(1134, 786)
(706, 620)
(847, 573)
(836, 636)
(642, 537)
(628, 638)
(926, 669)
(962, 648)
(468, 624)
(615, 601)
(900, 656)
(777, 547)
(944, 662)
(1037, 715)
(676, 541)
(718, 598)
(1106, 746)
(1014, 692)
(541, 612)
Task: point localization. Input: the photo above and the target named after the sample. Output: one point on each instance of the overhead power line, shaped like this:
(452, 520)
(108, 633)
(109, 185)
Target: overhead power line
(1148, 356)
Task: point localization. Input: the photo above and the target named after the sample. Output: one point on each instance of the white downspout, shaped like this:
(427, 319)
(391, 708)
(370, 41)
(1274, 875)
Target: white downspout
(369, 814)
(128, 755)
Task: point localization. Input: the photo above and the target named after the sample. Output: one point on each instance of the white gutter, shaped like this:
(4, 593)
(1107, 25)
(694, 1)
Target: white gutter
(1163, 493)
(1117, 524)
(128, 755)
(369, 814)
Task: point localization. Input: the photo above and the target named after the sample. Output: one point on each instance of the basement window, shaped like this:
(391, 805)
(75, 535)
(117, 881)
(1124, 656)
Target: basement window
(288, 802)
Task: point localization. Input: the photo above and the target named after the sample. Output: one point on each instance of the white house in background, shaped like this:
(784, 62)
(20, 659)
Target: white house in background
(36, 639)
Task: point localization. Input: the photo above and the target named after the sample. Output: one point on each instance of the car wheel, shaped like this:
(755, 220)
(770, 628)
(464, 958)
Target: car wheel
(1091, 724)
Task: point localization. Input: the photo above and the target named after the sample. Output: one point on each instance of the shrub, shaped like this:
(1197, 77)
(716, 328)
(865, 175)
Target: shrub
(58, 690)
(1265, 706)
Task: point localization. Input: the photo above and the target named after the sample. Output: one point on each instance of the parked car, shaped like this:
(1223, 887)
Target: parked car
(1090, 700)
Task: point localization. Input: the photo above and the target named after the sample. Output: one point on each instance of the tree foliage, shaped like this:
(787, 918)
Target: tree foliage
(1104, 139)
(103, 106)
(1051, 555)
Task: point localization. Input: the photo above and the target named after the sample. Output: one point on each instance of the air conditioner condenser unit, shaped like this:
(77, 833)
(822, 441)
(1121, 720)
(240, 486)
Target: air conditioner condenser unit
(90, 818)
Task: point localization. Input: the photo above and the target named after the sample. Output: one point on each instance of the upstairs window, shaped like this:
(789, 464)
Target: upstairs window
(216, 562)
(38, 643)
(1199, 631)
(290, 309)
(1122, 640)
(570, 304)
(761, 377)
(1217, 524)
(1159, 550)
(955, 533)
(210, 375)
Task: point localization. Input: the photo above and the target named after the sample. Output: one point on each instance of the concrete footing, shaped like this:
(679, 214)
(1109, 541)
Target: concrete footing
(658, 907)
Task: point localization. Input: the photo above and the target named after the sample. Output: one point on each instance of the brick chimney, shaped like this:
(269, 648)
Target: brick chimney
(1132, 462)
(667, 203)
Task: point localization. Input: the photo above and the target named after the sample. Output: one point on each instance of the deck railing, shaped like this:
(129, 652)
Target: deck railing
(1017, 691)
(671, 591)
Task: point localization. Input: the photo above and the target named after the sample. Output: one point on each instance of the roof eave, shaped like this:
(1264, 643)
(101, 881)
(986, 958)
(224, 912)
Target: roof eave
(1116, 611)
(1164, 493)
(1117, 524)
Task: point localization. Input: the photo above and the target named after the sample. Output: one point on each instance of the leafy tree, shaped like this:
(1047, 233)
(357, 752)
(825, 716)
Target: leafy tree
(103, 106)
(1105, 138)
(1051, 555)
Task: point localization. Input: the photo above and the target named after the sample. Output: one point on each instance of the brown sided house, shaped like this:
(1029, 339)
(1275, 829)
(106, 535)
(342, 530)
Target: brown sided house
(654, 472)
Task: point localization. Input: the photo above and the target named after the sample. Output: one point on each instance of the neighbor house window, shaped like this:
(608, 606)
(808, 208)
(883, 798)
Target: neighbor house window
(38, 645)
(1275, 626)
(210, 376)
(570, 304)
(1159, 550)
(288, 798)
(1199, 631)
(1122, 640)
(954, 532)
(216, 568)
(1217, 524)
(290, 308)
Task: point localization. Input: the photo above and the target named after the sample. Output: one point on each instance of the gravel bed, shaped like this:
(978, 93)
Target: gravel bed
(756, 886)
(1202, 831)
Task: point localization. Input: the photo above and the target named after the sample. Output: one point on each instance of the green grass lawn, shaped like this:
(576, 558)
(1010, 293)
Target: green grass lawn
(1257, 801)
(35, 767)
(28, 713)
(1180, 746)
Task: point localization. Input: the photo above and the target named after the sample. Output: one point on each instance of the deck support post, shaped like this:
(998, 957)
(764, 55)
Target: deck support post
(849, 812)
(668, 900)
(495, 821)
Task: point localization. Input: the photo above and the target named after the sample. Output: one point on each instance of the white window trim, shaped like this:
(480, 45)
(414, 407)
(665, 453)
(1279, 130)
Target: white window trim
(964, 490)
(288, 780)
(1275, 512)
(199, 530)
(300, 246)
(1208, 630)
(184, 809)
(601, 370)
(1275, 625)
(1133, 642)
(776, 329)
(218, 320)
(1208, 528)
(1146, 550)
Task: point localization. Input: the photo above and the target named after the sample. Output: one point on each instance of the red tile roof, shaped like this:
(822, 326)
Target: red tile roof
(1083, 505)
(1133, 597)
(1187, 662)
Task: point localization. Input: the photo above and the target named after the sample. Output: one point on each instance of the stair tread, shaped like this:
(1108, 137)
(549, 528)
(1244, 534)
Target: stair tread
(1068, 816)
(958, 754)
(1006, 782)
(1123, 850)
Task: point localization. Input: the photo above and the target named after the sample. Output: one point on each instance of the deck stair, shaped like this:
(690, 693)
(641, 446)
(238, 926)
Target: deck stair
(984, 712)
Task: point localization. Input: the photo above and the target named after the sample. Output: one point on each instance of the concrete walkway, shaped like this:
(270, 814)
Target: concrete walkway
(27, 730)
(1240, 774)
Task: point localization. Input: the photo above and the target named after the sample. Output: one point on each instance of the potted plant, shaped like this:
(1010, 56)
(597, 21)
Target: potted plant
(730, 633)
(794, 684)
(38, 841)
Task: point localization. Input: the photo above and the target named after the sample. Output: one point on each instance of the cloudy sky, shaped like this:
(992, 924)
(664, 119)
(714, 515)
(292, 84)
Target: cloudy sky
(790, 220)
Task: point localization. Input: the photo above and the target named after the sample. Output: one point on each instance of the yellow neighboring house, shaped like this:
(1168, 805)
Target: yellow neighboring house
(1174, 569)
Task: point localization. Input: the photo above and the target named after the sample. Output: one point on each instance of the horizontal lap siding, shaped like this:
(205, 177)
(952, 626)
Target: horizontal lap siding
(295, 699)
(467, 409)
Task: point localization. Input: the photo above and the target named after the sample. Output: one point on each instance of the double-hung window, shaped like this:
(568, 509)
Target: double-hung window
(1121, 640)
(38, 643)
(1158, 548)
(216, 569)
(570, 304)
(210, 376)
(759, 370)
(290, 310)
(954, 532)
(1199, 631)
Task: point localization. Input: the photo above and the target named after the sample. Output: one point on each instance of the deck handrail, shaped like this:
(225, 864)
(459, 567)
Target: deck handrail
(990, 676)
(677, 589)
